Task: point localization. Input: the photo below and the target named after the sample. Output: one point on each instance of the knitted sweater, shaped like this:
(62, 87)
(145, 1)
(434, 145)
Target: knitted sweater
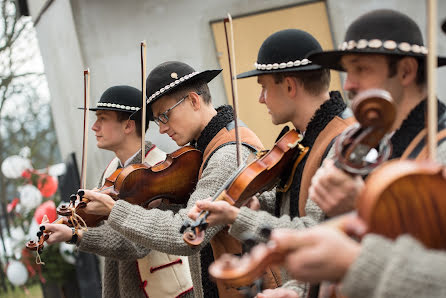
(159, 229)
(397, 269)
(120, 277)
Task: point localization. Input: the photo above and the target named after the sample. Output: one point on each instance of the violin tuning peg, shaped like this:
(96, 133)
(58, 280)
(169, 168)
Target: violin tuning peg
(81, 193)
(266, 232)
(42, 228)
(73, 198)
(39, 234)
(248, 241)
(186, 224)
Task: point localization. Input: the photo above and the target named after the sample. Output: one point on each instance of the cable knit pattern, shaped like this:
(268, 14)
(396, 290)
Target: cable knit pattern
(121, 278)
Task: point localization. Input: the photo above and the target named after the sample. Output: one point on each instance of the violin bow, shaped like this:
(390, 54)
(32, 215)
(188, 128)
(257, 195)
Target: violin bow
(143, 107)
(432, 121)
(232, 71)
(85, 133)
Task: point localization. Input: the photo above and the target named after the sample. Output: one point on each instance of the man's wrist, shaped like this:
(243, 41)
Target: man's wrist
(74, 237)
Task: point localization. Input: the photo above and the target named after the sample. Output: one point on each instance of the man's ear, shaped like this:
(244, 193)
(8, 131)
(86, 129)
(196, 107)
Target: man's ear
(291, 84)
(130, 125)
(195, 100)
(407, 70)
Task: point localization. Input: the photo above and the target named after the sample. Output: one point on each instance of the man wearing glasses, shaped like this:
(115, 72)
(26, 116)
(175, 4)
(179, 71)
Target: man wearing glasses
(180, 101)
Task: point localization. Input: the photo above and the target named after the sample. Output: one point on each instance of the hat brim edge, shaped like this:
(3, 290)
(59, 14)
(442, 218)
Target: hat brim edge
(331, 59)
(257, 72)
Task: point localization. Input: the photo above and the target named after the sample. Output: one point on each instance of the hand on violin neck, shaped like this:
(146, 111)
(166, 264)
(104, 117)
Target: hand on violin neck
(220, 212)
(321, 253)
(253, 203)
(100, 203)
(59, 233)
(278, 293)
(333, 190)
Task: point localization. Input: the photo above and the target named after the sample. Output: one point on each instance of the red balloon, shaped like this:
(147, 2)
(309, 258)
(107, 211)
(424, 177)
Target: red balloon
(48, 208)
(47, 185)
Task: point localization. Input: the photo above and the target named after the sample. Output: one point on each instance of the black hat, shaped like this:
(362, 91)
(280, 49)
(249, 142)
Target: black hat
(119, 98)
(383, 31)
(168, 76)
(285, 51)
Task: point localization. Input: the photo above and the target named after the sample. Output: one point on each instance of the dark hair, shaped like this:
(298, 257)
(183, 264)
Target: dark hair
(314, 81)
(123, 116)
(198, 87)
(420, 79)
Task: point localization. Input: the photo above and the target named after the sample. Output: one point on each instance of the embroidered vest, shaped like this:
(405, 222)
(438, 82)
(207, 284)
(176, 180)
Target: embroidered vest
(336, 126)
(162, 275)
(222, 242)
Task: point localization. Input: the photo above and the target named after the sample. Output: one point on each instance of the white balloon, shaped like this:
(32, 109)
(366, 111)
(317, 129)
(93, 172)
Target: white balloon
(13, 166)
(67, 252)
(33, 229)
(30, 197)
(57, 169)
(17, 273)
(17, 233)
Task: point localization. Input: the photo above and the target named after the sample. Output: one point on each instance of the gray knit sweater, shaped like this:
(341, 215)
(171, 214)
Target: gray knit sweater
(403, 268)
(158, 229)
(120, 277)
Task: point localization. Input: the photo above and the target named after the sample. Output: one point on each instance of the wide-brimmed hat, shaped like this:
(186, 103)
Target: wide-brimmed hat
(386, 32)
(169, 76)
(119, 98)
(284, 51)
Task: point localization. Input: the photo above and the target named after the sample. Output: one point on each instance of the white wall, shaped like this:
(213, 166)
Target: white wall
(105, 36)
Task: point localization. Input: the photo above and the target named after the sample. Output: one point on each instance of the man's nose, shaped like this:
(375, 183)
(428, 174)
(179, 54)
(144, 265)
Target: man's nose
(163, 128)
(95, 126)
(350, 84)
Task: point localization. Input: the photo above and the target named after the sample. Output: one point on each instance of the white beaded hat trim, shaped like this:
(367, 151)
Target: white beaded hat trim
(118, 106)
(282, 65)
(387, 44)
(171, 85)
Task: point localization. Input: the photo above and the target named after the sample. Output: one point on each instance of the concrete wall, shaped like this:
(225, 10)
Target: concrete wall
(105, 36)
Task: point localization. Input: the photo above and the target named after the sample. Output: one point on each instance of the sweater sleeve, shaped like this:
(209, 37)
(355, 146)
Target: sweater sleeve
(105, 241)
(253, 221)
(401, 268)
(158, 229)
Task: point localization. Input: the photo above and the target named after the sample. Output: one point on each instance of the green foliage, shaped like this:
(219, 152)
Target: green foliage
(56, 269)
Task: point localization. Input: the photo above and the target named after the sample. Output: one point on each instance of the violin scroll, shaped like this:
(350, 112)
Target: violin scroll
(375, 112)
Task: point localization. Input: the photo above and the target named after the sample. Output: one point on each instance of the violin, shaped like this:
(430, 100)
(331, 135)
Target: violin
(375, 112)
(172, 180)
(258, 176)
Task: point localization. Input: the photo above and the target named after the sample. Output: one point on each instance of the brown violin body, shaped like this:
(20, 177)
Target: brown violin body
(263, 173)
(259, 175)
(172, 180)
(406, 197)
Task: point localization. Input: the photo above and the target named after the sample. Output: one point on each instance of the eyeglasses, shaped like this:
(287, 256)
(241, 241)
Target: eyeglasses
(163, 118)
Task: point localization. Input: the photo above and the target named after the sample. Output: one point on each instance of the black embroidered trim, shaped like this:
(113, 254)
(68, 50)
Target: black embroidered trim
(326, 112)
(224, 116)
(411, 127)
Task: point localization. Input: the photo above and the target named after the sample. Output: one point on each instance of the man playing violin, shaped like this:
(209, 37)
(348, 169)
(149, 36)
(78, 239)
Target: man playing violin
(180, 101)
(294, 90)
(382, 49)
(126, 263)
